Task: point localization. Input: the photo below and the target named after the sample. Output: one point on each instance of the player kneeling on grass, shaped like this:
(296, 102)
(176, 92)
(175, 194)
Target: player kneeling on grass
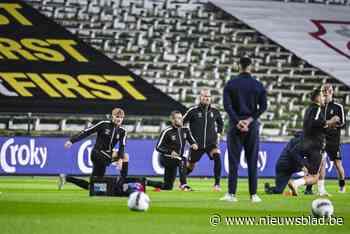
(312, 144)
(118, 186)
(109, 134)
(290, 162)
(171, 147)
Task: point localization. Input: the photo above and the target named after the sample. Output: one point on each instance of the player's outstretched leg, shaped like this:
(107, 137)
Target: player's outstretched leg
(306, 180)
(281, 181)
(78, 182)
(155, 184)
(61, 181)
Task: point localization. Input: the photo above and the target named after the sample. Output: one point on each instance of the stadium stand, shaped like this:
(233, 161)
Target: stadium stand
(181, 46)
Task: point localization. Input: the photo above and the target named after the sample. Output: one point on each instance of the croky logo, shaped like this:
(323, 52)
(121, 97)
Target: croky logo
(13, 154)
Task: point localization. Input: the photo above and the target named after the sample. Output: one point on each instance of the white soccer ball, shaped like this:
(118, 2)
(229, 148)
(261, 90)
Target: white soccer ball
(322, 207)
(138, 201)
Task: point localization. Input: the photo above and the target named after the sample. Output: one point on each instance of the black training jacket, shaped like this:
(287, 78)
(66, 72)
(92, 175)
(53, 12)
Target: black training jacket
(108, 135)
(174, 139)
(313, 128)
(333, 135)
(205, 123)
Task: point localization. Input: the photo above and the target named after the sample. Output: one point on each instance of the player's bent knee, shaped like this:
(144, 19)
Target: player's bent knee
(215, 152)
(126, 157)
(191, 165)
(337, 162)
(314, 178)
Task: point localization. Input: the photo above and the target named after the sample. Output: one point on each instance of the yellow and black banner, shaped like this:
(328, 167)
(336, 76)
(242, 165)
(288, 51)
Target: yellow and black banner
(44, 68)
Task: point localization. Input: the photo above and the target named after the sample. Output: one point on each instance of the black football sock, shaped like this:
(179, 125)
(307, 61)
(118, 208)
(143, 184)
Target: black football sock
(79, 182)
(217, 168)
(125, 169)
(309, 188)
(156, 184)
(189, 170)
(183, 172)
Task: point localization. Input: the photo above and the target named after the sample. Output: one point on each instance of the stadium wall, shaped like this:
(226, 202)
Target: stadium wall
(47, 156)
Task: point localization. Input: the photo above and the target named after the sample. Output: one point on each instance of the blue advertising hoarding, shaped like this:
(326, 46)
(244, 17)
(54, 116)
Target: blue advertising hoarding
(47, 156)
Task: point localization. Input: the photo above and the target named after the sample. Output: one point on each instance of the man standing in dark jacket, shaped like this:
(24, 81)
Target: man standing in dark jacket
(206, 126)
(244, 102)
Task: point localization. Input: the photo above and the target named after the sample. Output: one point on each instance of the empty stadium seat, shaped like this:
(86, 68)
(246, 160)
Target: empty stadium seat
(181, 46)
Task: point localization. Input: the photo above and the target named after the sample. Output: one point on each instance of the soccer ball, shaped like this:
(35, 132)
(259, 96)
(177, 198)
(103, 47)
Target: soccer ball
(138, 201)
(322, 207)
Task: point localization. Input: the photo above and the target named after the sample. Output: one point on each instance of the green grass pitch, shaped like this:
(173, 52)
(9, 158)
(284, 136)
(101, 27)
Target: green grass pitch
(35, 206)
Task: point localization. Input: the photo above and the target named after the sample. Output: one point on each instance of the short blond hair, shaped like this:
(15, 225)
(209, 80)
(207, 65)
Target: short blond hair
(118, 112)
(205, 90)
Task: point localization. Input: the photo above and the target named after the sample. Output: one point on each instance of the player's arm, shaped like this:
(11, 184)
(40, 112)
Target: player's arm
(190, 139)
(229, 107)
(219, 122)
(188, 115)
(81, 135)
(262, 100)
(316, 119)
(342, 116)
(162, 146)
(119, 155)
(122, 144)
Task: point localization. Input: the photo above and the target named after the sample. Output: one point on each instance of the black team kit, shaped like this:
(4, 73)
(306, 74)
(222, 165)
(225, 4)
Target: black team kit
(108, 136)
(171, 147)
(205, 123)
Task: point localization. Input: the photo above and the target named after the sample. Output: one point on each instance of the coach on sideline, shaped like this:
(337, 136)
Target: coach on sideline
(244, 102)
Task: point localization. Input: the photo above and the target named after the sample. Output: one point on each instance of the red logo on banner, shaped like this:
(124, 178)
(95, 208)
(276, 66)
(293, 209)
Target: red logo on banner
(334, 34)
